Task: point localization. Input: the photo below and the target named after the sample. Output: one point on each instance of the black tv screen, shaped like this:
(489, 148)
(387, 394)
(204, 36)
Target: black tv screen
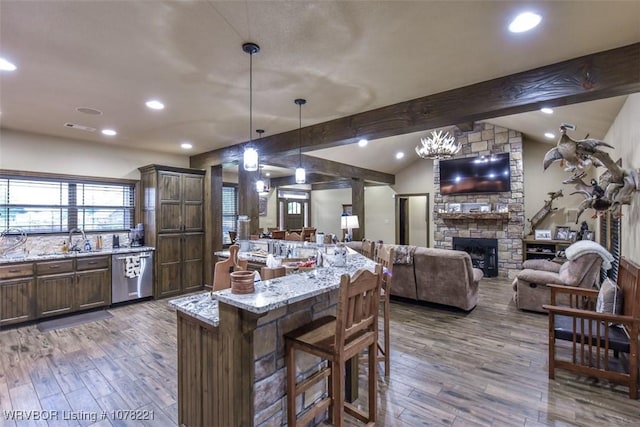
(483, 174)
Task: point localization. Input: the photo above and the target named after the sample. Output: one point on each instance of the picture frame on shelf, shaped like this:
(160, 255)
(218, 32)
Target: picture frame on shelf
(573, 235)
(502, 207)
(589, 235)
(485, 208)
(562, 233)
(542, 234)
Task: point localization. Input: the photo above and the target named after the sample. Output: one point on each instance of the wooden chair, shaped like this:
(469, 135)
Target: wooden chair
(337, 339)
(278, 234)
(368, 248)
(593, 336)
(306, 233)
(385, 257)
(293, 236)
(223, 269)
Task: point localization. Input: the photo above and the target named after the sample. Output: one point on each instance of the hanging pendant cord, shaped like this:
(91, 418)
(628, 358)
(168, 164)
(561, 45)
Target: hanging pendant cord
(250, 96)
(300, 135)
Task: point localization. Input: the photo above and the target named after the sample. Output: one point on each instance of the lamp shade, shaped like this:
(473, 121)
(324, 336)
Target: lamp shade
(301, 176)
(250, 159)
(349, 222)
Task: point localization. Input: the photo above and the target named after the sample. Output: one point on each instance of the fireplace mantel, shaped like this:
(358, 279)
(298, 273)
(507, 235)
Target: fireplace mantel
(499, 216)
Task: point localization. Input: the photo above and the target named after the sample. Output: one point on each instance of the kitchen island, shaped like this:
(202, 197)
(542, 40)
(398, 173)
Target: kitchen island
(231, 369)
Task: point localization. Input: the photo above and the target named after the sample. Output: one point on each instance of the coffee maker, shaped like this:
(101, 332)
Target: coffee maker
(137, 235)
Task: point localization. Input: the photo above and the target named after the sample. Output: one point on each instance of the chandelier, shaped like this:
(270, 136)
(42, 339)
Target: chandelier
(439, 145)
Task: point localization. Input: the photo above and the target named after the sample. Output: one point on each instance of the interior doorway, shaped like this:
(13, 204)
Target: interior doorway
(412, 219)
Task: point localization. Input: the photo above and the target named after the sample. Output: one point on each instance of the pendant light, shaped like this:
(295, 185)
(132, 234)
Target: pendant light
(250, 157)
(301, 174)
(260, 185)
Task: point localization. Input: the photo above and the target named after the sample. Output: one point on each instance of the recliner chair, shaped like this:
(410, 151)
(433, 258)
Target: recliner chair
(530, 284)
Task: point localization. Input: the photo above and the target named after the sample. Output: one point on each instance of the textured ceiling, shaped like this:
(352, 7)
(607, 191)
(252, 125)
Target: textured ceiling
(343, 57)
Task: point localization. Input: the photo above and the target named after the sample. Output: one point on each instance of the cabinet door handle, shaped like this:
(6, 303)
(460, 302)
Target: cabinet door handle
(14, 271)
(54, 267)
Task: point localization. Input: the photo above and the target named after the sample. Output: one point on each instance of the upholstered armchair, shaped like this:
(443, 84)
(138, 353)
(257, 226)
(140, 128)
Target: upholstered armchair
(582, 268)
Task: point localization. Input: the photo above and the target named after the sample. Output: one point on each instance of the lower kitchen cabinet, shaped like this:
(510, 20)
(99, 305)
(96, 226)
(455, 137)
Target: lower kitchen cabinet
(55, 294)
(16, 293)
(93, 283)
(16, 300)
(180, 263)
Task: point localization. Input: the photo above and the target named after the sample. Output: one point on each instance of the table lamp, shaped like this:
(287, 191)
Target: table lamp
(349, 222)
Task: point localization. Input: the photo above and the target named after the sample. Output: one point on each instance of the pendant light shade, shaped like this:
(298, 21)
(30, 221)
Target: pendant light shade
(250, 158)
(301, 174)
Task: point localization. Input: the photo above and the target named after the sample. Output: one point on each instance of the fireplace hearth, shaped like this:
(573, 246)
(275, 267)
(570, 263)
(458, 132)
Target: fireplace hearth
(483, 252)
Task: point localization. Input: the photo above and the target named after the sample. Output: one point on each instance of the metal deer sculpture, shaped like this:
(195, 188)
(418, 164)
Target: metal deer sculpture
(614, 188)
(544, 211)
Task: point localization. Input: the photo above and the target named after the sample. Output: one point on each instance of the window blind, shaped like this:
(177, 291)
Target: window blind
(229, 211)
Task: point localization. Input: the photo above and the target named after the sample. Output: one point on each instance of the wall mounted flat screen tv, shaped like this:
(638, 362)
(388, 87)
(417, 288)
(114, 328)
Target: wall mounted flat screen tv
(483, 174)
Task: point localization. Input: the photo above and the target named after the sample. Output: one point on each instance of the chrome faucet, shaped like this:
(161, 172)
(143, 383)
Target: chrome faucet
(74, 246)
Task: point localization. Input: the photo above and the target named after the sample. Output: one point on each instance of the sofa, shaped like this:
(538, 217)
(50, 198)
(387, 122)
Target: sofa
(439, 276)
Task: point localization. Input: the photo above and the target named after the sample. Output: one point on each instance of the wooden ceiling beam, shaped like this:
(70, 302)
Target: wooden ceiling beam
(600, 75)
(312, 178)
(329, 167)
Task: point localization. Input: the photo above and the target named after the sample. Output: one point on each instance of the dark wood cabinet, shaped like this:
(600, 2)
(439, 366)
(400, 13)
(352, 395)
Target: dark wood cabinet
(79, 284)
(173, 212)
(16, 293)
(543, 249)
(93, 282)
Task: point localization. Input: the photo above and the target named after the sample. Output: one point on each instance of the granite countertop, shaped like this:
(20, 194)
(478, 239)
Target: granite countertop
(38, 256)
(271, 294)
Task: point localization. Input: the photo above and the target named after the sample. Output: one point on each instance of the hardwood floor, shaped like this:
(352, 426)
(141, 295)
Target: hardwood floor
(486, 367)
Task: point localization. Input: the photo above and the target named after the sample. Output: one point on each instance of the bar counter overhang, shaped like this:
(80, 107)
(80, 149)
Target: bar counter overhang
(231, 368)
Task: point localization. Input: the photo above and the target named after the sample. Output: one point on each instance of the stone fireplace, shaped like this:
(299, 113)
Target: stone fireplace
(483, 252)
(505, 229)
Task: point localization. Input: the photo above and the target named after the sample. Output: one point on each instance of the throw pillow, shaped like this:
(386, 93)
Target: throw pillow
(609, 298)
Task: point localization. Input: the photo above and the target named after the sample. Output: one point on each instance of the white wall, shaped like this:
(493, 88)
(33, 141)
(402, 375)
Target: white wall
(379, 212)
(538, 183)
(326, 209)
(22, 151)
(624, 134)
(417, 178)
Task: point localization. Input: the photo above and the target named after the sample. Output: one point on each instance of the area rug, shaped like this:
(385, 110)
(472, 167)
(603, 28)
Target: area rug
(74, 320)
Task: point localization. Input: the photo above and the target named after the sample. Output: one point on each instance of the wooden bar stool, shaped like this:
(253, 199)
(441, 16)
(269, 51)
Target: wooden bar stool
(278, 234)
(337, 339)
(385, 257)
(293, 236)
(223, 269)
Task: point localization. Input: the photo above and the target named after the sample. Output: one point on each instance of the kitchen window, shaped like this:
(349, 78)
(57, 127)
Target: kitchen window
(229, 211)
(51, 204)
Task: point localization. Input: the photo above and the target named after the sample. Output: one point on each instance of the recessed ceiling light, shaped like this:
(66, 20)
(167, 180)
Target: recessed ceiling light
(109, 132)
(6, 65)
(267, 174)
(549, 135)
(524, 22)
(547, 110)
(399, 155)
(186, 146)
(154, 104)
(363, 142)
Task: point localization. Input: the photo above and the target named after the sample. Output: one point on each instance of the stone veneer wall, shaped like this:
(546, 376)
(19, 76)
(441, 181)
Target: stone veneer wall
(486, 139)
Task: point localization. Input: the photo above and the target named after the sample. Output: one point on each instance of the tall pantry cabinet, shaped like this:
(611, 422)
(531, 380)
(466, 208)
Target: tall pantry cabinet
(173, 212)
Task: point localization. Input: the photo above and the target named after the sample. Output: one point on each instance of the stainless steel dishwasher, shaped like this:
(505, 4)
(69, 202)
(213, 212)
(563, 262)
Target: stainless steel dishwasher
(128, 283)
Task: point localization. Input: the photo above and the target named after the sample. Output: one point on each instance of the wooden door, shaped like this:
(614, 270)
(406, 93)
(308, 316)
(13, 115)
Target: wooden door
(192, 262)
(193, 202)
(16, 300)
(93, 289)
(55, 294)
(294, 214)
(169, 202)
(169, 265)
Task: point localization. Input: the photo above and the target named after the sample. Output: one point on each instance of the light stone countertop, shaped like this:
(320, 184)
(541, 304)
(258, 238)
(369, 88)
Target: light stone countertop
(272, 294)
(37, 256)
